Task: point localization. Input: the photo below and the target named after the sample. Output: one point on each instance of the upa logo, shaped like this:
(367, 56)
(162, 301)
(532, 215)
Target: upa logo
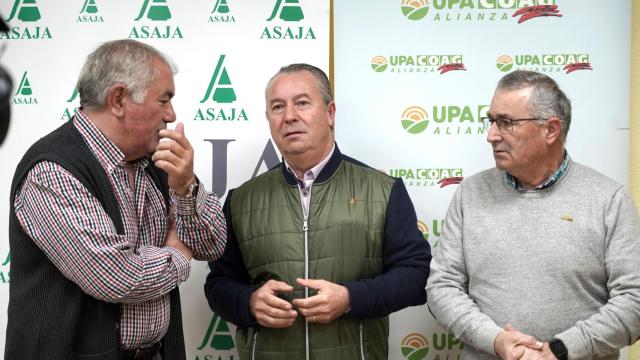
(27, 12)
(408, 63)
(220, 91)
(24, 93)
(89, 13)
(379, 63)
(478, 10)
(414, 9)
(70, 109)
(545, 63)
(285, 12)
(414, 120)
(5, 274)
(431, 233)
(504, 63)
(443, 345)
(154, 11)
(218, 338)
(221, 12)
(424, 176)
(415, 347)
(461, 120)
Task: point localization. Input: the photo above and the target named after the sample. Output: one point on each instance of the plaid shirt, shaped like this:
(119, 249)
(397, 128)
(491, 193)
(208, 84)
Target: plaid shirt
(513, 182)
(134, 269)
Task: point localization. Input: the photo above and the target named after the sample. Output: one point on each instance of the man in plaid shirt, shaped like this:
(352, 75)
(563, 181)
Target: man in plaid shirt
(105, 218)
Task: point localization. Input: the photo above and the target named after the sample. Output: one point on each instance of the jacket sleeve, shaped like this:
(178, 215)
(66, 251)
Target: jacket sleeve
(447, 288)
(227, 286)
(406, 257)
(617, 323)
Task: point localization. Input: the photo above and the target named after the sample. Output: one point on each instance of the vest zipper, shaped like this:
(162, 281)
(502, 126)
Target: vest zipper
(253, 343)
(362, 340)
(305, 229)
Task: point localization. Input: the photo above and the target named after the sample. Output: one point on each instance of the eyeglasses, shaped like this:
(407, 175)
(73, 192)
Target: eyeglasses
(505, 125)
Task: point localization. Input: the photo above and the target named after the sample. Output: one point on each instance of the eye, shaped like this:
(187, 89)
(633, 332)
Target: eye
(302, 103)
(503, 122)
(277, 107)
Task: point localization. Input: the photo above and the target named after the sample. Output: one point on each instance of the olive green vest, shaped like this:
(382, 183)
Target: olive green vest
(345, 233)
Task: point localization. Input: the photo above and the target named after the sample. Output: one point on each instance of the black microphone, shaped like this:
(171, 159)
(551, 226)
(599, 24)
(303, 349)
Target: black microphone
(6, 86)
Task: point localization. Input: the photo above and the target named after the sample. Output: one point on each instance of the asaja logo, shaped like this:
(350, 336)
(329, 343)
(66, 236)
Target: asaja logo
(414, 9)
(70, 109)
(446, 119)
(414, 347)
(287, 11)
(418, 63)
(443, 345)
(155, 11)
(424, 176)
(24, 93)
(26, 11)
(379, 63)
(5, 274)
(415, 119)
(478, 10)
(567, 62)
(504, 63)
(218, 338)
(89, 13)
(221, 12)
(220, 91)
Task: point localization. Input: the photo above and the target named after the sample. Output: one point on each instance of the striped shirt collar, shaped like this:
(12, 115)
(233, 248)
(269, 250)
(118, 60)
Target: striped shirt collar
(562, 169)
(311, 174)
(108, 154)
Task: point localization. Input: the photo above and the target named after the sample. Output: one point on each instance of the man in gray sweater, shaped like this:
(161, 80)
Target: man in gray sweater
(540, 256)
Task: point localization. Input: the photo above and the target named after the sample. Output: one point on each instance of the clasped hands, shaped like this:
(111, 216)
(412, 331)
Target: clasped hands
(330, 302)
(511, 344)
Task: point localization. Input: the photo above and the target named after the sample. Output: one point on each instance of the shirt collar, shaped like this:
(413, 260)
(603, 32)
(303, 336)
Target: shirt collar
(108, 154)
(562, 169)
(312, 173)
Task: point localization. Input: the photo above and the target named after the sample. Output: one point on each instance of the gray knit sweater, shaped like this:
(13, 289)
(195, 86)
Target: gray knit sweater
(560, 262)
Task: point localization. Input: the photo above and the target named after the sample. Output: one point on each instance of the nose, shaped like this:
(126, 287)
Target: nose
(170, 114)
(290, 114)
(494, 133)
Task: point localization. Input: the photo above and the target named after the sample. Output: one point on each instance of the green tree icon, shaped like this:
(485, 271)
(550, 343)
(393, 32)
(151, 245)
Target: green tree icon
(289, 11)
(28, 12)
(156, 11)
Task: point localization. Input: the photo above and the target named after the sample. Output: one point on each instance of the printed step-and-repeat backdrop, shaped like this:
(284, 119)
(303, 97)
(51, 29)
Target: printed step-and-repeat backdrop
(412, 79)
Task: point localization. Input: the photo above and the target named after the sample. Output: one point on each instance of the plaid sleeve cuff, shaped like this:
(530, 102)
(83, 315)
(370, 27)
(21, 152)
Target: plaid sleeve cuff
(188, 205)
(183, 266)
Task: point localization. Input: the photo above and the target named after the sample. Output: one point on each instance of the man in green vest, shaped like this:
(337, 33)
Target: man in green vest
(322, 248)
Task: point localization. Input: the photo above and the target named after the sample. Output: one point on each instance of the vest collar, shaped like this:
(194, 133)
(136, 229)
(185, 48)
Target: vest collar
(327, 171)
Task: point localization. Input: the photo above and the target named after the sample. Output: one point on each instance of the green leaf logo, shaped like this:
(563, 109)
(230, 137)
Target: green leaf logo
(379, 63)
(414, 347)
(415, 120)
(504, 63)
(414, 9)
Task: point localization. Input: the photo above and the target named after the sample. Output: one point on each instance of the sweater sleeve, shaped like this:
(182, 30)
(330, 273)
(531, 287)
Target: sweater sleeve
(617, 323)
(227, 286)
(406, 256)
(447, 288)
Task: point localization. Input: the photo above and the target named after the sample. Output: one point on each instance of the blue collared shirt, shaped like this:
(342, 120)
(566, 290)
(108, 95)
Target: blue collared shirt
(562, 169)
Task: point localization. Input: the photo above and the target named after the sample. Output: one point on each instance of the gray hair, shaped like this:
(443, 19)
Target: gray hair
(126, 62)
(323, 81)
(547, 100)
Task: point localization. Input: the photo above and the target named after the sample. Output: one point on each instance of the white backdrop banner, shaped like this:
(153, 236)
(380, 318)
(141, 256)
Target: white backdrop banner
(413, 78)
(225, 51)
